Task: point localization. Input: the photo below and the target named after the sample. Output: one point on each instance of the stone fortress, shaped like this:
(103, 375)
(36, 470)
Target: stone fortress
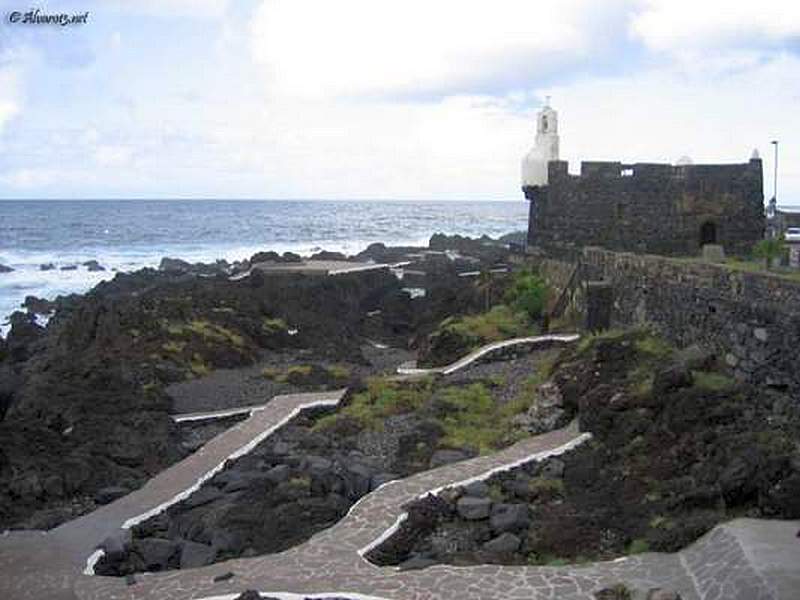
(643, 207)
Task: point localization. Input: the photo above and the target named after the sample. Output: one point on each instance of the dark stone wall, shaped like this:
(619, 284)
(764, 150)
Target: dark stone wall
(752, 320)
(655, 208)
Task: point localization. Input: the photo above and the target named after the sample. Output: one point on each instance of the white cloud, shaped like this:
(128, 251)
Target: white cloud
(681, 25)
(354, 47)
(10, 95)
(661, 114)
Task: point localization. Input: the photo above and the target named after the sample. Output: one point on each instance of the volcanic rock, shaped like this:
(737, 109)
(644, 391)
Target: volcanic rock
(473, 509)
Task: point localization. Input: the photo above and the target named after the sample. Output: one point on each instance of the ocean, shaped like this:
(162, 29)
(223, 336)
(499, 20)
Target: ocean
(126, 235)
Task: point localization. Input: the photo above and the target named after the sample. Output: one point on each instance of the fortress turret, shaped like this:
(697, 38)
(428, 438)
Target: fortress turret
(545, 149)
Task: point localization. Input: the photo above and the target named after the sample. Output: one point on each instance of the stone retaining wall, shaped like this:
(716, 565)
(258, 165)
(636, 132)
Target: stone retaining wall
(752, 320)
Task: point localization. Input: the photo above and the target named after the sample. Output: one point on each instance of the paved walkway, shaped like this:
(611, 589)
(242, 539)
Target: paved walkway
(742, 560)
(539, 340)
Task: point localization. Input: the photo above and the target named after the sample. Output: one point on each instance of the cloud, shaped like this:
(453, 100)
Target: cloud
(357, 47)
(684, 25)
(664, 112)
(10, 94)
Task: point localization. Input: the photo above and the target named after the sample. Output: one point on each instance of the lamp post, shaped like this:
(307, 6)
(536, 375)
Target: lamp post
(775, 182)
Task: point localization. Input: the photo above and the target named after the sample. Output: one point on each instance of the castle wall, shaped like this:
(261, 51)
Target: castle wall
(656, 208)
(752, 320)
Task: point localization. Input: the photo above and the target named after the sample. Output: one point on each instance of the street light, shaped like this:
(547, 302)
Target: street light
(775, 192)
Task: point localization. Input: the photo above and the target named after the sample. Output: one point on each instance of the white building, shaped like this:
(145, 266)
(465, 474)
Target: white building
(545, 148)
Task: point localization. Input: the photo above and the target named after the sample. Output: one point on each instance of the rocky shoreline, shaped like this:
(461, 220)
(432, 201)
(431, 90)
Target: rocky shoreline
(675, 452)
(84, 402)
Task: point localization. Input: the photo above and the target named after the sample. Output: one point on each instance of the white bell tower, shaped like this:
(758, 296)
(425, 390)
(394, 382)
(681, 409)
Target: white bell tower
(545, 148)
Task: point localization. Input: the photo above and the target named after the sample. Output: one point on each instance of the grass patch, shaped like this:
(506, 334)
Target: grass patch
(173, 347)
(273, 325)
(587, 341)
(638, 546)
(500, 323)
(198, 366)
(381, 399)
(546, 489)
(270, 373)
(207, 330)
(712, 382)
(339, 371)
(470, 420)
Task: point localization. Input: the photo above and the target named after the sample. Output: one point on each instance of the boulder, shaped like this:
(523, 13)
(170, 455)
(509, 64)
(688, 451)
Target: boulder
(547, 411)
(93, 266)
(672, 377)
(38, 306)
(195, 555)
(473, 509)
(47, 267)
(5, 269)
(69, 268)
(553, 469)
(250, 595)
(446, 457)
(509, 517)
(325, 255)
(264, 257)
(505, 543)
(291, 257)
(116, 545)
(174, 265)
(205, 495)
(476, 489)
(279, 473)
(695, 357)
(109, 494)
(155, 552)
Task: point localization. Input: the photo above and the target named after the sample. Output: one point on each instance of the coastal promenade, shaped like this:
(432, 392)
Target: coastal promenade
(741, 560)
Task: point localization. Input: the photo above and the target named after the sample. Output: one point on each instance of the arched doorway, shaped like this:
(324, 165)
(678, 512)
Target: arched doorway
(708, 233)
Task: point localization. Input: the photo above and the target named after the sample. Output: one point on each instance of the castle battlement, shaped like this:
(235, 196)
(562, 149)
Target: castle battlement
(590, 169)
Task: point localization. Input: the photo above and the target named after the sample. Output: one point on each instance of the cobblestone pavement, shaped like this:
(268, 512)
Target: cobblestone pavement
(742, 560)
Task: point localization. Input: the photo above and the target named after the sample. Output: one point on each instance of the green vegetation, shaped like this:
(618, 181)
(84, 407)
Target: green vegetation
(500, 323)
(638, 546)
(208, 331)
(587, 341)
(198, 366)
(173, 347)
(470, 420)
(528, 294)
(340, 372)
(712, 382)
(270, 373)
(770, 250)
(298, 374)
(546, 489)
(381, 399)
(273, 325)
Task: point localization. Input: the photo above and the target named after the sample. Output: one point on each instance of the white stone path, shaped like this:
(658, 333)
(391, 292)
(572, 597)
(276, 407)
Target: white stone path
(742, 560)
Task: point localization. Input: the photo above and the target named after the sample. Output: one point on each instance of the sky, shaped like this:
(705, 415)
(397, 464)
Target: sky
(380, 99)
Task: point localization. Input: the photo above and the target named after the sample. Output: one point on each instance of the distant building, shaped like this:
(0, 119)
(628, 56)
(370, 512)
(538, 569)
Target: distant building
(641, 207)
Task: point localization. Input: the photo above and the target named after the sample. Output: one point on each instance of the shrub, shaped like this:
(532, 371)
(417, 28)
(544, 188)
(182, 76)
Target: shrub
(638, 546)
(769, 249)
(528, 294)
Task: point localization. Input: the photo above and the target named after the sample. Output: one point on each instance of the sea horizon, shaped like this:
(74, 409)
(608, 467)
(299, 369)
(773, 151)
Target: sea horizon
(127, 235)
